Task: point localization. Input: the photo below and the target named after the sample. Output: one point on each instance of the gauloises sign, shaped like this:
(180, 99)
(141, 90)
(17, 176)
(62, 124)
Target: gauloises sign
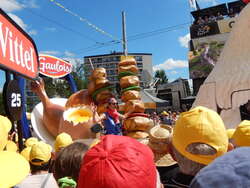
(18, 52)
(54, 67)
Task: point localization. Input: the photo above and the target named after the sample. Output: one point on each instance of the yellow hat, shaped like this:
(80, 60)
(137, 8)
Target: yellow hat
(230, 133)
(31, 141)
(11, 146)
(164, 113)
(241, 135)
(40, 153)
(200, 125)
(5, 122)
(26, 153)
(62, 140)
(3, 137)
(14, 168)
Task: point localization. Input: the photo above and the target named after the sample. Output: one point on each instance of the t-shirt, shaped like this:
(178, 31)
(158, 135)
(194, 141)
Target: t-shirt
(39, 181)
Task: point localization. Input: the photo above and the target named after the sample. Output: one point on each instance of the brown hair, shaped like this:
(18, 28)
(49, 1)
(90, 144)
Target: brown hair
(69, 159)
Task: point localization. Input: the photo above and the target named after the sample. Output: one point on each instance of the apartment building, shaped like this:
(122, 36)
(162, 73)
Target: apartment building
(110, 63)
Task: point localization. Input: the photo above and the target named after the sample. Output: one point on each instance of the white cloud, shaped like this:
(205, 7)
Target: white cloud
(173, 72)
(30, 4)
(184, 40)
(10, 5)
(49, 52)
(69, 54)
(170, 64)
(19, 21)
(32, 32)
(74, 61)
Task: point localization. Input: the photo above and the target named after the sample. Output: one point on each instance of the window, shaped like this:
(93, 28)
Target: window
(138, 58)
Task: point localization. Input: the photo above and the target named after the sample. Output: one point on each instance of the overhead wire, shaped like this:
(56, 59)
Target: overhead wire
(98, 29)
(63, 26)
(136, 37)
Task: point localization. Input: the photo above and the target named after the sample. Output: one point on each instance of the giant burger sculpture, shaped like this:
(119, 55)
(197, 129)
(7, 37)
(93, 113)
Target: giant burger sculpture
(77, 116)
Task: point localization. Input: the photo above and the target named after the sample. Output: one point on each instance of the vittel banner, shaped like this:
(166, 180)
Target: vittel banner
(18, 52)
(54, 67)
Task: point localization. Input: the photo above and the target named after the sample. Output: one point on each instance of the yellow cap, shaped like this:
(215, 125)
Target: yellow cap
(40, 153)
(241, 135)
(164, 113)
(26, 153)
(14, 168)
(5, 122)
(31, 141)
(62, 140)
(3, 137)
(230, 133)
(11, 146)
(200, 125)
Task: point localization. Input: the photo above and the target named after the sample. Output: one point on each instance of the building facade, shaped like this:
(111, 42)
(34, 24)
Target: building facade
(174, 92)
(110, 63)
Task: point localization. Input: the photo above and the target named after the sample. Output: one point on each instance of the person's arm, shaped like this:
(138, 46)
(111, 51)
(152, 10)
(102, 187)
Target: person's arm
(97, 119)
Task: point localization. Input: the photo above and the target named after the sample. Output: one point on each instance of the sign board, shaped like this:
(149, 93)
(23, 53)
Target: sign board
(203, 30)
(205, 54)
(14, 100)
(54, 67)
(225, 26)
(18, 52)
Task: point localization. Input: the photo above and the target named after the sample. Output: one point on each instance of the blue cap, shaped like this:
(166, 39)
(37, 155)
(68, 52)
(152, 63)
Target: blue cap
(227, 171)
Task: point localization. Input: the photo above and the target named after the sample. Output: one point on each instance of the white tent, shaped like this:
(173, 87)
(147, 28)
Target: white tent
(228, 85)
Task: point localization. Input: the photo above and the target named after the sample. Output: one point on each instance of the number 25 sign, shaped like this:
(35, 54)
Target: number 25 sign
(14, 100)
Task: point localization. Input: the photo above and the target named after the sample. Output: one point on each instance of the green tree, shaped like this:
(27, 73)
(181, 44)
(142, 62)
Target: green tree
(162, 76)
(79, 75)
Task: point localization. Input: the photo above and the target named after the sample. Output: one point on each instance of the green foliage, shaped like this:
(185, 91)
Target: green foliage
(79, 75)
(61, 88)
(162, 76)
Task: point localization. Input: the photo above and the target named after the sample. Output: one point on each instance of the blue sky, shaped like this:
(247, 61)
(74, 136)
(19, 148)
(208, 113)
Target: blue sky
(66, 34)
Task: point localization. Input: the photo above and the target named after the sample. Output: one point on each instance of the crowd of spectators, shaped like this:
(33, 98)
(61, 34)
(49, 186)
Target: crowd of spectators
(216, 17)
(193, 150)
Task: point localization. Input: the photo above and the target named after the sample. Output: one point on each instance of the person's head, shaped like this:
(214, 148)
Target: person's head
(199, 136)
(112, 103)
(62, 140)
(229, 170)
(30, 141)
(68, 161)
(14, 167)
(118, 161)
(40, 155)
(241, 136)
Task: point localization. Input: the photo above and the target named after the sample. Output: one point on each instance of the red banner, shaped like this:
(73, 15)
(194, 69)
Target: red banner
(54, 67)
(18, 52)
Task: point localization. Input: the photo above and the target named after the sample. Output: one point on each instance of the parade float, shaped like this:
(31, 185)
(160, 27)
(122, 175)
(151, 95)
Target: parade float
(75, 115)
(227, 87)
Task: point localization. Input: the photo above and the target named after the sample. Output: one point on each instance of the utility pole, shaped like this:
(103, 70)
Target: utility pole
(124, 36)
